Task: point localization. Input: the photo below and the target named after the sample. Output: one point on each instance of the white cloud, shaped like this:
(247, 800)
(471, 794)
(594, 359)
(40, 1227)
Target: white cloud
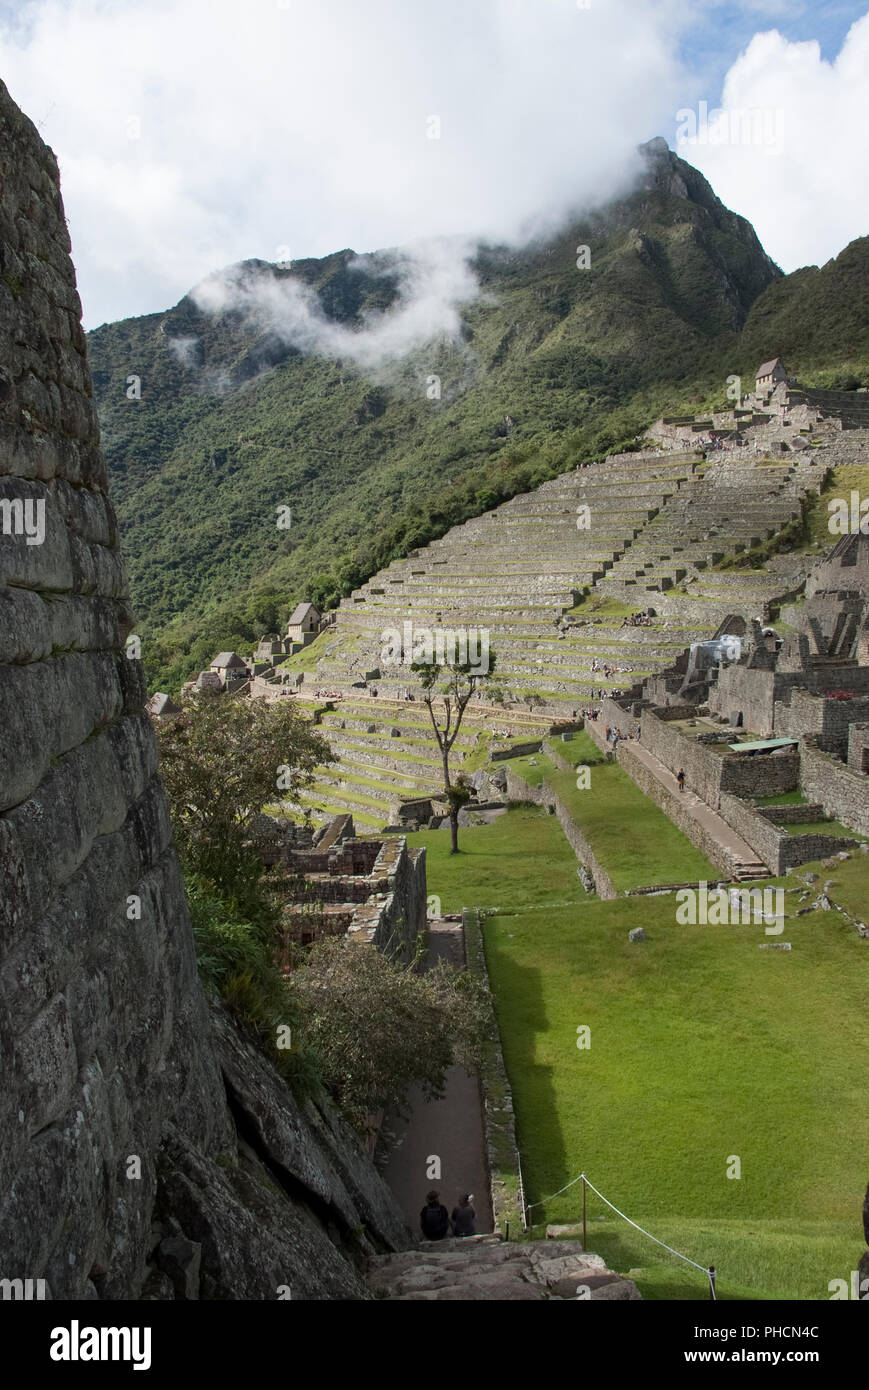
(192, 134)
(434, 279)
(796, 171)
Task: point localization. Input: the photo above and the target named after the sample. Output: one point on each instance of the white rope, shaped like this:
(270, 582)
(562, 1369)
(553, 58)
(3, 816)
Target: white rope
(641, 1229)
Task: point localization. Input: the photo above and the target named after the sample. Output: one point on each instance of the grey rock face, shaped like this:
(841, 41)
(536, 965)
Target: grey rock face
(114, 1104)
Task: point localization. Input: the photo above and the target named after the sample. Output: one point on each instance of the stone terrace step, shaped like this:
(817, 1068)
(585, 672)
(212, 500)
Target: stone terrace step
(484, 1268)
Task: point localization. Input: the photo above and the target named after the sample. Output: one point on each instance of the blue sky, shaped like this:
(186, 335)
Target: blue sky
(725, 27)
(192, 134)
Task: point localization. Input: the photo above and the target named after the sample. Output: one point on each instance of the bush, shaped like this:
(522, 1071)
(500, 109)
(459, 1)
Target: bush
(377, 1027)
(236, 961)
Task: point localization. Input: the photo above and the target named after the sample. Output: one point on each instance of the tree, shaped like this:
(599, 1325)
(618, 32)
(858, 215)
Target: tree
(455, 682)
(377, 1027)
(222, 759)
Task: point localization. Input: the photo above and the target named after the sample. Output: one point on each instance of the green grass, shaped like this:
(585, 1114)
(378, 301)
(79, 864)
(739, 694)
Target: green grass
(578, 750)
(822, 827)
(533, 768)
(702, 1047)
(633, 840)
(522, 859)
(782, 799)
(749, 1255)
(842, 481)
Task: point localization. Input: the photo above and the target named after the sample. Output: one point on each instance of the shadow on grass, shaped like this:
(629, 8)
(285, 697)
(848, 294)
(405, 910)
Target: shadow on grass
(521, 1016)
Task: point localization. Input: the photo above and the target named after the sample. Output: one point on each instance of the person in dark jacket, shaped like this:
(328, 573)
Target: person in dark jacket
(464, 1216)
(433, 1219)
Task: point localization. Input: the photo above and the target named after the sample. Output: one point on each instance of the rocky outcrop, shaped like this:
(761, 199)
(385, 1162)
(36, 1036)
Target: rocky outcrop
(144, 1147)
(485, 1268)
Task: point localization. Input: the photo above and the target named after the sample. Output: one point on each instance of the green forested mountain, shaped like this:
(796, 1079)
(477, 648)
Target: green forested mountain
(553, 363)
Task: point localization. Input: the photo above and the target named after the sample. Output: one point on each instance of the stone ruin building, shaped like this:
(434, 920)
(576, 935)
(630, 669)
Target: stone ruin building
(788, 714)
(334, 884)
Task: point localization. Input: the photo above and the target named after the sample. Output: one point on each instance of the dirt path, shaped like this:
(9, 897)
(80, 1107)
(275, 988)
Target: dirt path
(450, 1129)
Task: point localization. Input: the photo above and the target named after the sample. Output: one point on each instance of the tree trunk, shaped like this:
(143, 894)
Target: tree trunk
(454, 810)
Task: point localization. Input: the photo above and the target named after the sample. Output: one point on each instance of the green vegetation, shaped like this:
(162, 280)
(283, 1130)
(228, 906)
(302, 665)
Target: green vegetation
(822, 827)
(702, 1046)
(447, 689)
(221, 761)
(377, 1027)
(840, 483)
(511, 862)
(238, 423)
(781, 799)
(755, 1259)
(343, 1016)
(635, 843)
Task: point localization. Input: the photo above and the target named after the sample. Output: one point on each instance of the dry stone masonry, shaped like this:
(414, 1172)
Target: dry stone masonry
(122, 1173)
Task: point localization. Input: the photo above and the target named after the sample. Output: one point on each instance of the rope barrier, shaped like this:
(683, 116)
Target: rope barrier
(709, 1272)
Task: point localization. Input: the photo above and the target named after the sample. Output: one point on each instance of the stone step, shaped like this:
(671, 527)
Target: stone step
(482, 1269)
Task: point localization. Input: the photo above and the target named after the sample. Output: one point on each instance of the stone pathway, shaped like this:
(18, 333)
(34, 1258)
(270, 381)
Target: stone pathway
(745, 861)
(487, 1268)
(450, 1129)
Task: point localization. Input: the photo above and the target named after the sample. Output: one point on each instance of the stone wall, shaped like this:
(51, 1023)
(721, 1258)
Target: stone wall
(760, 774)
(404, 912)
(674, 806)
(767, 841)
(858, 747)
(842, 791)
(544, 795)
(120, 1091)
(703, 769)
(778, 850)
(825, 719)
(747, 691)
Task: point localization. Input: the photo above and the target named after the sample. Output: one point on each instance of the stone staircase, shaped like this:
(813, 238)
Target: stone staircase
(484, 1268)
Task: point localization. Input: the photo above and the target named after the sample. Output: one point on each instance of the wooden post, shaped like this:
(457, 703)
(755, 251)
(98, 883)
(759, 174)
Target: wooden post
(712, 1282)
(584, 1241)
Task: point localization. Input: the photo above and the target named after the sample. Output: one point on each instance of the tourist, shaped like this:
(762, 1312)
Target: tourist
(464, 1216)
(608, 733)
(681, 779)
(434, 1220)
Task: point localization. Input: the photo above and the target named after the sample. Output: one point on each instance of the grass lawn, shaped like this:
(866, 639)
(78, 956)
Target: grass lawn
(702, 1047)
(822, 827)
(580, 749)
(635, 842)
(522, 859)
(782, 799)
(848, 477)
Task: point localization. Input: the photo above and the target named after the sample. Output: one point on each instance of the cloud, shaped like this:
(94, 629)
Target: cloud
(192, 134)
(789, 147)
(434, 279)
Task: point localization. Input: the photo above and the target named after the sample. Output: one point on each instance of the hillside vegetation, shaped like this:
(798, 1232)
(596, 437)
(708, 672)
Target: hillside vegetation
(552, 364)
